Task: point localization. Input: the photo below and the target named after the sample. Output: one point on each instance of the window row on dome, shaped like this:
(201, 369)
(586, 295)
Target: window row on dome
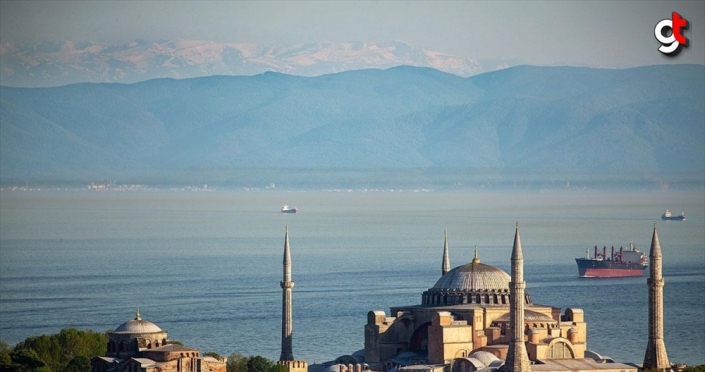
(455, 298)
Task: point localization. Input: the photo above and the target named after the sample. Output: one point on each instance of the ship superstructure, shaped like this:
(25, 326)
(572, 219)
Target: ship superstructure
(625, 262)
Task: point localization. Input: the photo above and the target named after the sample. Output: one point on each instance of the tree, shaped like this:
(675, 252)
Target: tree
(700, 368)
(28, 360)
(76, 343)
(44, 348)
(237, 363)
(259, 364)
(58, 350)
(5, 350)
(80, 363)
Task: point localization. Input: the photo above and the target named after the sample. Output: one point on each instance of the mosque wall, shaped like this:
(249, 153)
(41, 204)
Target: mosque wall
(456, 323)
(385, 337)
(448, 338)
(294, 365)
(164, 356)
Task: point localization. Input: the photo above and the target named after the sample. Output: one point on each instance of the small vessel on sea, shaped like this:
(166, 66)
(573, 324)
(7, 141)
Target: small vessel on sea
(669, 217)
(286, 209)
(626, 262)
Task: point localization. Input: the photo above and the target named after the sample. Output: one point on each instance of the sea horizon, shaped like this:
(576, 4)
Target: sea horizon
(206, 266)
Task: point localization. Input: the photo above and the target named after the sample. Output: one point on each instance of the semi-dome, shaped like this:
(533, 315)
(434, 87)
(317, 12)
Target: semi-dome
(529, 316)
(484, 356)
(137, 325)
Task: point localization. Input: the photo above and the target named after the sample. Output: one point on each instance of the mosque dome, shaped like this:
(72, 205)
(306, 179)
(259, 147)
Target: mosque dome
(472, 283)
(137, 326)
(474, 276)
(485, 357)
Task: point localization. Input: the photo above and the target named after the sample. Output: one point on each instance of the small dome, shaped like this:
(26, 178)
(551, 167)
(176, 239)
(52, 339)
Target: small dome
(484, 356)
(473, 277)
(137, 325)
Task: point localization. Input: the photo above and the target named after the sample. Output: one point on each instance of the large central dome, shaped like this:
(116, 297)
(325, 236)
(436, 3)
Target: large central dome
(472, 283)
(474, 277)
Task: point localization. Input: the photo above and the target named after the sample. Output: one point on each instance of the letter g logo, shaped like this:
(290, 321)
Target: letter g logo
(671, 45)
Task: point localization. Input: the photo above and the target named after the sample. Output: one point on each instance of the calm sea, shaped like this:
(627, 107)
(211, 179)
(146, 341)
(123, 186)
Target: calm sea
(206, 266)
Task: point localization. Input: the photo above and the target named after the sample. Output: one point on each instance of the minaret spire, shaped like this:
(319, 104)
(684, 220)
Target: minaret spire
(655, 357)
(517, 358)
(446, 255)
(287, 285)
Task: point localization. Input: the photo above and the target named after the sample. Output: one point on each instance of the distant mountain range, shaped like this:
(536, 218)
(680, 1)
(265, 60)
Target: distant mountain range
(403, 123)
(52, 63)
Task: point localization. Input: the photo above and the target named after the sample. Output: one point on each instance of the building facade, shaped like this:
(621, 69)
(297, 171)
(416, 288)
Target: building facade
(467, 321)
(141, 346)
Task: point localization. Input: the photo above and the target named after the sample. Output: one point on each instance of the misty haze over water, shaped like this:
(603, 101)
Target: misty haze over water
(205, 266)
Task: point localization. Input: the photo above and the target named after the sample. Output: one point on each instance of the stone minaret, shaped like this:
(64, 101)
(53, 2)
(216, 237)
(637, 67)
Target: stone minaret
(287, 321)
(517, 358)
(655, 357)
(446, 257)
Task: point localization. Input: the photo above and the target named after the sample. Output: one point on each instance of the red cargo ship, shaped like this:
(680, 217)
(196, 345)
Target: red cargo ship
(626, 262)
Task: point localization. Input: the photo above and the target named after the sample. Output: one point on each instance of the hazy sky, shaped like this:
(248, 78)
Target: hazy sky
(614, 33)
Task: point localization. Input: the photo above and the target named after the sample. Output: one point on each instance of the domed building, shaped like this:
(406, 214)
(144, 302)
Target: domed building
(133, 336)
(141, 346)
(466, 313)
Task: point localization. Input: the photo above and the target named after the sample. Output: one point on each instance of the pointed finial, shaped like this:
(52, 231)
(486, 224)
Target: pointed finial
(655, 250)
(137, 314)
(287, 255)
(516, 250)
(446, 256)
(475, 260)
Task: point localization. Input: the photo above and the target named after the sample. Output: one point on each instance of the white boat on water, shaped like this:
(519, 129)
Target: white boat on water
(668, 216)
(286, 209)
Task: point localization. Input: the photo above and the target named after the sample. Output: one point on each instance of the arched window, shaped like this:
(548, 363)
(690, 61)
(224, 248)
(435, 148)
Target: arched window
(560, 350)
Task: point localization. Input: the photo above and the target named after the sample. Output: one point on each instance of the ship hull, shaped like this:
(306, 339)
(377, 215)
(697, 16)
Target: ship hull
(673, 218)
(591, 268)
(289, 210)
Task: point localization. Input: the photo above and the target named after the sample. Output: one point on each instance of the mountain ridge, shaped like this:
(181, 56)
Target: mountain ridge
(55, 63)
(540, 120)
